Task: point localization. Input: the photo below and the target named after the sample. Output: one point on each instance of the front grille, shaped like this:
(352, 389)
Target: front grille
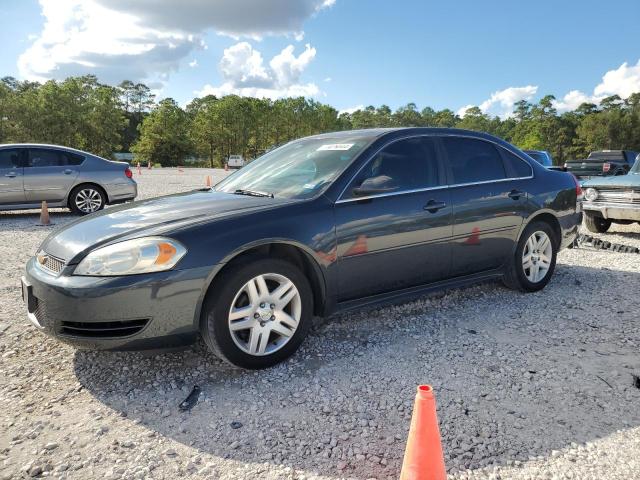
(122, 328)
(629, 197)
(49, 263)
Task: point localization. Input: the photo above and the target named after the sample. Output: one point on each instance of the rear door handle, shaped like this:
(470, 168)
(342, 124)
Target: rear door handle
(432, 206)
(11, 175)
(516, 194)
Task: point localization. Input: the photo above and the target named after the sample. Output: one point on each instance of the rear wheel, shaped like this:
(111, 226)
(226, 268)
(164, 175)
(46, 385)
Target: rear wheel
(86, 199)
(258, 313)
(534, 260)
(596, 224)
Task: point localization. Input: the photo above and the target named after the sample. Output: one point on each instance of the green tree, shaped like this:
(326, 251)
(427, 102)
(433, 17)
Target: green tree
(164, 135)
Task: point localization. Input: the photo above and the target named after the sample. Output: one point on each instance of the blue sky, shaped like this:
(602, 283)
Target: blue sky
(439, 54)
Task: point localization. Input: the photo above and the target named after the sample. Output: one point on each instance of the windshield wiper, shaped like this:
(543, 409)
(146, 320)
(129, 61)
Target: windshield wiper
(253, 193)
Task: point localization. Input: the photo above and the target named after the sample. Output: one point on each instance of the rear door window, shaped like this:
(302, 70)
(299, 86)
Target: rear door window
(43, 157)
(471, 160)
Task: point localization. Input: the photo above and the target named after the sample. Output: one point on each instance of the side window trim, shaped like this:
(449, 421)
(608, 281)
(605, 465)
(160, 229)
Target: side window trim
(441, 174)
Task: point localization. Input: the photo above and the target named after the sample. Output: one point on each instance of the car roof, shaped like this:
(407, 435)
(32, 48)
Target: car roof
(380, 132)
(43, 145)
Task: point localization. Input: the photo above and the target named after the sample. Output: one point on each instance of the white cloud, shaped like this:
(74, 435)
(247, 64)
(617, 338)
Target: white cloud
(462, 111)
(193, 63)
(244, 73)
(147, 39)
(505, 99)
(328, 79)
(351, 109)
(501, 102)
(623, 81)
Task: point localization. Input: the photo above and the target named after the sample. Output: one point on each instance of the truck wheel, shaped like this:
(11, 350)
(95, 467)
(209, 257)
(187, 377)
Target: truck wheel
(596, 224)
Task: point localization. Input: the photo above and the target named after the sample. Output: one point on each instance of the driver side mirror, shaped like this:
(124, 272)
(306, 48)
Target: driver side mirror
(375, 186)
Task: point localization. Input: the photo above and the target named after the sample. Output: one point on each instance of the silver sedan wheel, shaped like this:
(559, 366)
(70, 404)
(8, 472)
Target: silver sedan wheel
(265, 314)
(88, 200)
(536, 256)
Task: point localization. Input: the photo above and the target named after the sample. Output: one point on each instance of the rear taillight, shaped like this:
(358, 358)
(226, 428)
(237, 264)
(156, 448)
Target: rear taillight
(606, 166)
(578, 187)
(128, 172)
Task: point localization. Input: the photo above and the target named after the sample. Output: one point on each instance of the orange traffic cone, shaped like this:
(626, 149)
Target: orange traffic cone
(208, 180)
(44, 214)
(474, 238)
(423, 458)
(358, 247)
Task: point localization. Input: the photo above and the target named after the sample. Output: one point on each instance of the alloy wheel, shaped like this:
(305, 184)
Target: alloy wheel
(536, 256)
(88, 200)
(265, 314)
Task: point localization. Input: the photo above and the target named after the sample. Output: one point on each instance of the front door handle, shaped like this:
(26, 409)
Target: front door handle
(516, 194)
(11, 175)
(68, 171)
(432, 206)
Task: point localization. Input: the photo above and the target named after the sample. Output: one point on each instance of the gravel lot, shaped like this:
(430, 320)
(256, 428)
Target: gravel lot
(528, 386)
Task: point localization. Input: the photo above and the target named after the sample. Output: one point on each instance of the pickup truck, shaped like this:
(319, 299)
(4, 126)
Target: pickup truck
(603, 163)
(612, 200)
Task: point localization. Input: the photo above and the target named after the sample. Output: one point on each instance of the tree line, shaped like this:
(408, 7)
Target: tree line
(81, 112)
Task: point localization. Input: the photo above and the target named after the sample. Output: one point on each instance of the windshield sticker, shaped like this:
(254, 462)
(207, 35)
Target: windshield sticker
(335, 147)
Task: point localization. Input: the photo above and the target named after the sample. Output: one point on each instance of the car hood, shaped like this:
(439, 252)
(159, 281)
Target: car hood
(631, 180)
(148, 217)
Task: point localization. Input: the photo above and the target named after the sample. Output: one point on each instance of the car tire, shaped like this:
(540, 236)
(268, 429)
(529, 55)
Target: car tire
(534, 274)
(239, 339)
(86, 199)
(596, 224)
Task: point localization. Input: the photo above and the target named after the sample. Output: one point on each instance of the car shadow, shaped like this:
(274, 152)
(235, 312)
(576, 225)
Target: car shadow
(516, 376)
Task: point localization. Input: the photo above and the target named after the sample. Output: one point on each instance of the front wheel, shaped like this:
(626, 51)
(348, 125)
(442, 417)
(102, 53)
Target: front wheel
(258, 313)
(534, 260)
(596, 224)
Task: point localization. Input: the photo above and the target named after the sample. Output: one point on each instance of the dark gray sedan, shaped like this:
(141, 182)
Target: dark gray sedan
(320, 225)
(64, 177)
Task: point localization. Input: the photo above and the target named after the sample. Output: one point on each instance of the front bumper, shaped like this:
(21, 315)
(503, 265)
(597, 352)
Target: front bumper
(135, 312)
(614, 211)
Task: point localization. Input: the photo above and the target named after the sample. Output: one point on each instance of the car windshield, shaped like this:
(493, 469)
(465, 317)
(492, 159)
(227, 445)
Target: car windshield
(636, 166)
(297, 170)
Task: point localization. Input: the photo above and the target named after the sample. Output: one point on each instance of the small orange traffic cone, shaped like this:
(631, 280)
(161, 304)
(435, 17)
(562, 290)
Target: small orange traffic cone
(358, 247)
(474, 238)
(423, 458)
(44, 214)
(208, 180)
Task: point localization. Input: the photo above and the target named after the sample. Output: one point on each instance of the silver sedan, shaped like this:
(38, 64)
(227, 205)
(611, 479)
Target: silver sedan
(64, 177)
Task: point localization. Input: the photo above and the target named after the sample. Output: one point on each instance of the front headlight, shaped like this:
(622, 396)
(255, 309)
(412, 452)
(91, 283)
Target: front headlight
(141, 255)
(590, 194)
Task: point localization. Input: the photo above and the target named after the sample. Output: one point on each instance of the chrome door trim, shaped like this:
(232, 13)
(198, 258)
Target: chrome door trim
(434, 134)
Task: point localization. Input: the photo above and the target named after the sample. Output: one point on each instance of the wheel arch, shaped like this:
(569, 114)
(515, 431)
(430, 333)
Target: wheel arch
(291, 251)
(544, 216)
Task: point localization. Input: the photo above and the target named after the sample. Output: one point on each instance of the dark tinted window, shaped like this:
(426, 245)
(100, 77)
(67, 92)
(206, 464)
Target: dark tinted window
(404, 165)
(42, 157)
(519, 168)
(9, 158)
(473, 160)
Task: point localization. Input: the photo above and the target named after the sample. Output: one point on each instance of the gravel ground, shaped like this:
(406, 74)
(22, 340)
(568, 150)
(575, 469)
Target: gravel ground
(528, 386)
